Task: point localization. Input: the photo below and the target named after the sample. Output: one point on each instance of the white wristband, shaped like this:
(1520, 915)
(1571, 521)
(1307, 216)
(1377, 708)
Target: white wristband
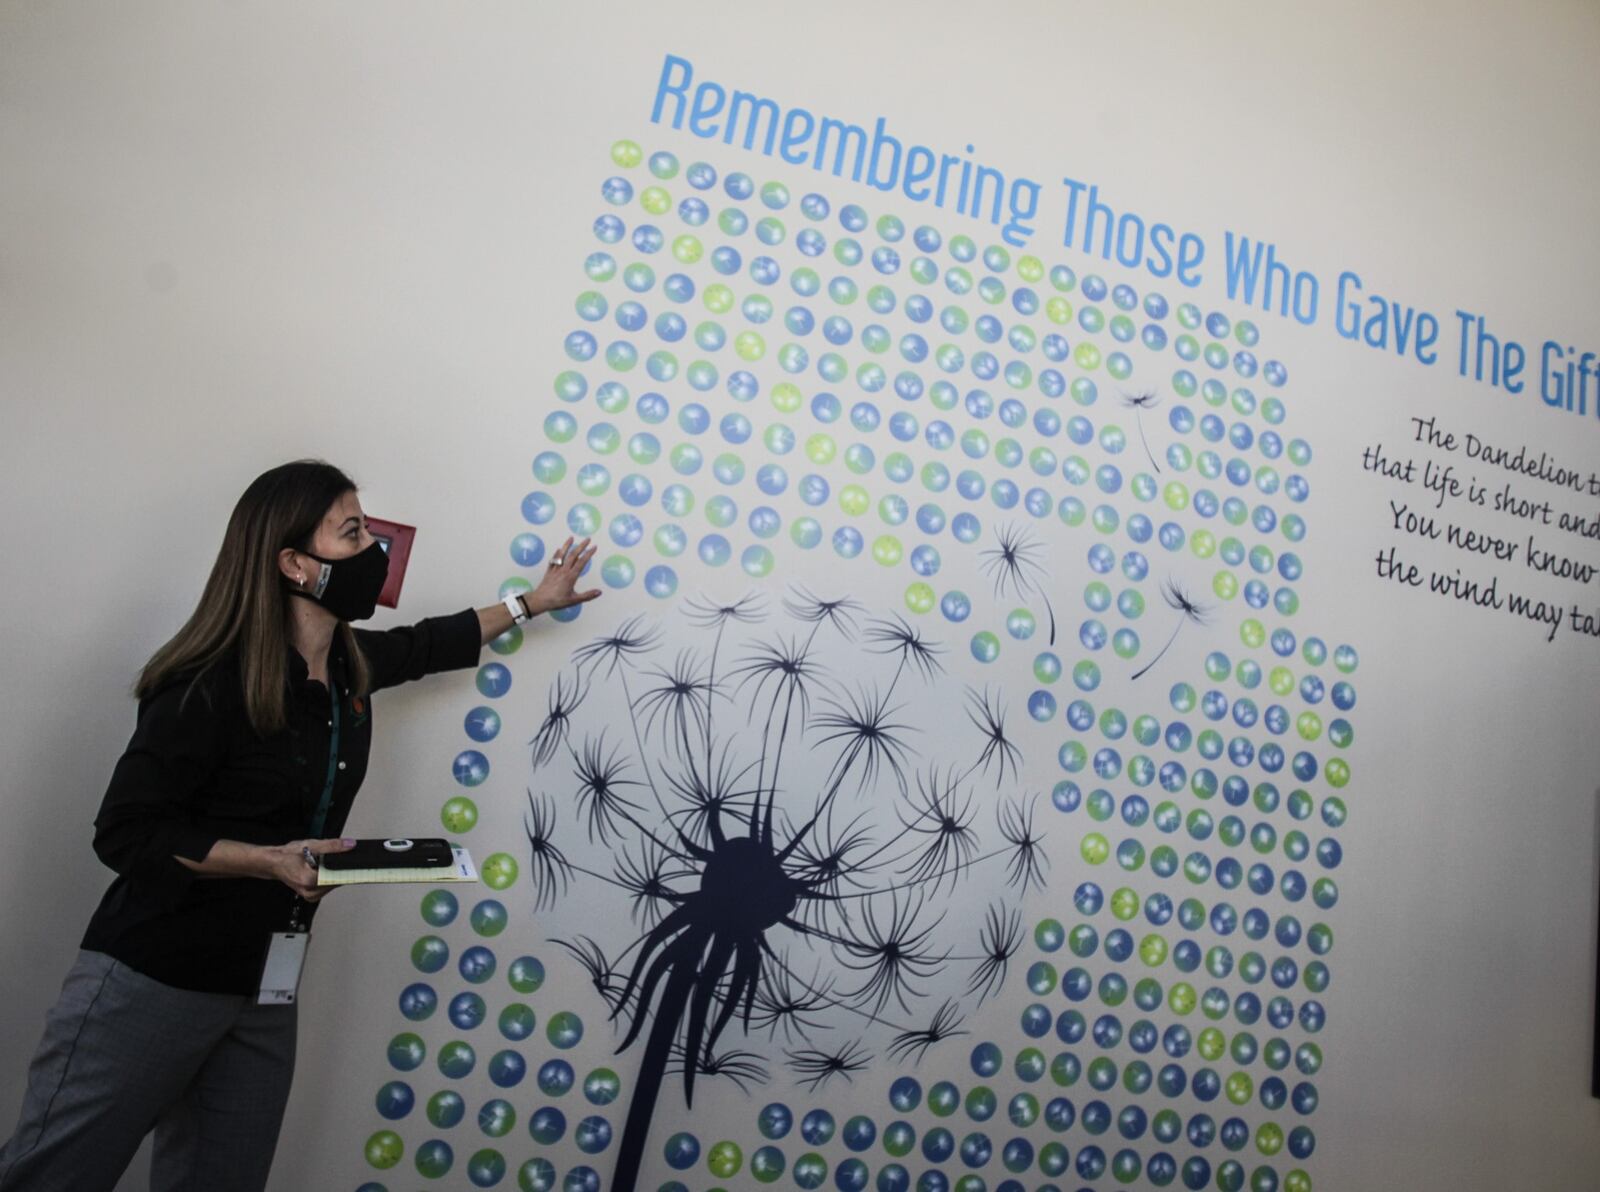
(514, 606)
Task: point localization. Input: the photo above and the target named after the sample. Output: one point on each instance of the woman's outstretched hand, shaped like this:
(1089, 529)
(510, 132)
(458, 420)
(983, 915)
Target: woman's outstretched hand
(558, 588)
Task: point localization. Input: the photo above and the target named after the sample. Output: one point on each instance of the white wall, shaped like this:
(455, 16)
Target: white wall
(236, 234)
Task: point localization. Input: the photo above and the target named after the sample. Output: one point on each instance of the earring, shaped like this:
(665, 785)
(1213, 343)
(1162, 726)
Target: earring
(301, 580)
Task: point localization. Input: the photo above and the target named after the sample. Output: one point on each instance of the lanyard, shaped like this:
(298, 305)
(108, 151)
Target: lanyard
(320, 819)
(297, 909)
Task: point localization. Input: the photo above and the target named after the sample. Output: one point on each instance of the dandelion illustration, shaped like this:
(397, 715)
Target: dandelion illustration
(1139, 403)
(815, 1068)
(1013, 564)
(1187, 609)
(548, 869)
(1001, 938)
(783, 842)
(914, 1044)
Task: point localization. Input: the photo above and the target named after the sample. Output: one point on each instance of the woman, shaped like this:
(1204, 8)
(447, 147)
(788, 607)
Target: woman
(251, 742)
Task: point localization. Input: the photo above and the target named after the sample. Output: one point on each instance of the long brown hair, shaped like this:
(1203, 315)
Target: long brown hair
(243, 611)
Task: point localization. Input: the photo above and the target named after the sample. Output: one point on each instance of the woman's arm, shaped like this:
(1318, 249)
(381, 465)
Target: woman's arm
(437, 644)
(286, 863)
(556, 590)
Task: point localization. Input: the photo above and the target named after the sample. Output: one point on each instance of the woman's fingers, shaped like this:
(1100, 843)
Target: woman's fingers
(575, 559)
(333, 845)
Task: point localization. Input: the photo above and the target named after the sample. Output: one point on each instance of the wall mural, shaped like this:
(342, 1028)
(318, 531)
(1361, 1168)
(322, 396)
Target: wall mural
(946, 796)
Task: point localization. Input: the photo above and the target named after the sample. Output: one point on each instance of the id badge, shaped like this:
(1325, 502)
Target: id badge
(280, 978)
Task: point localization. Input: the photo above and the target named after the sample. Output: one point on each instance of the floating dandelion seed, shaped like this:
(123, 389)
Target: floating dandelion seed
(548, 870)
(816, 1068)
(985, 710)
(1188, 610)
(1000, 940)
(565, 698)
(1013, 563)
(1139, 403)
(1027, 857)
(914, 1045)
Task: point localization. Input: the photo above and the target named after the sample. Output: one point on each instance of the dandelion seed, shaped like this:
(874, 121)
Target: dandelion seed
(893, 952)
(1139, 403)
(861, 721)
(841, 613)
(707, 614)
(787, 665)
(915, 1045)
(631, 639)
(645, 874)
(601, 781)
(939, 813)
(814, 1069)
(593, 961)
(1000, 940)
(709, 795)
(1027, 860)
(740, 1068)
(681, 701)
(1014, 565)
(786, 1003)
(1188, 610)
(548, 870)
(566, 696)
(899, 637)
(988, 714)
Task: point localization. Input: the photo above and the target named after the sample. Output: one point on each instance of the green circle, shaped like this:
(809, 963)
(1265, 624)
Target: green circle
(1124, 904)
(920, 597)
(499, 871)
(384, 1149)
(725, 1159)
(458, 815)
(887, 550)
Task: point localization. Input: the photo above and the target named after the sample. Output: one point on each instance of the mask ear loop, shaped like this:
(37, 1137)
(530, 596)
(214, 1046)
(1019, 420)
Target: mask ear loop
(324, 574)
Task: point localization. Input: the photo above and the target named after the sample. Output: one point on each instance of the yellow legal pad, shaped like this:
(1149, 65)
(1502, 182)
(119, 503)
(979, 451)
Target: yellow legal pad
(460, 870)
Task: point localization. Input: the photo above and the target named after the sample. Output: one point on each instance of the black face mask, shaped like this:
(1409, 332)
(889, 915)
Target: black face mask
(348, 588)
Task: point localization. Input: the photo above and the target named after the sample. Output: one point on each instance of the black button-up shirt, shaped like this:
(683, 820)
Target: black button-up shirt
(195, 772)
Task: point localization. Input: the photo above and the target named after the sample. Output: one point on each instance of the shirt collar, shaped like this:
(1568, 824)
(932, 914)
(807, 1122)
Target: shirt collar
(300, 674)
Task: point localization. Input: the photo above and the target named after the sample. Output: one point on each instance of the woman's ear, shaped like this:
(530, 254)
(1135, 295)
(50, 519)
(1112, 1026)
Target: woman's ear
(292, 567)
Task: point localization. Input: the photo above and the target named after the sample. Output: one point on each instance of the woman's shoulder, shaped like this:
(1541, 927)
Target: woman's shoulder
(215, 688)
